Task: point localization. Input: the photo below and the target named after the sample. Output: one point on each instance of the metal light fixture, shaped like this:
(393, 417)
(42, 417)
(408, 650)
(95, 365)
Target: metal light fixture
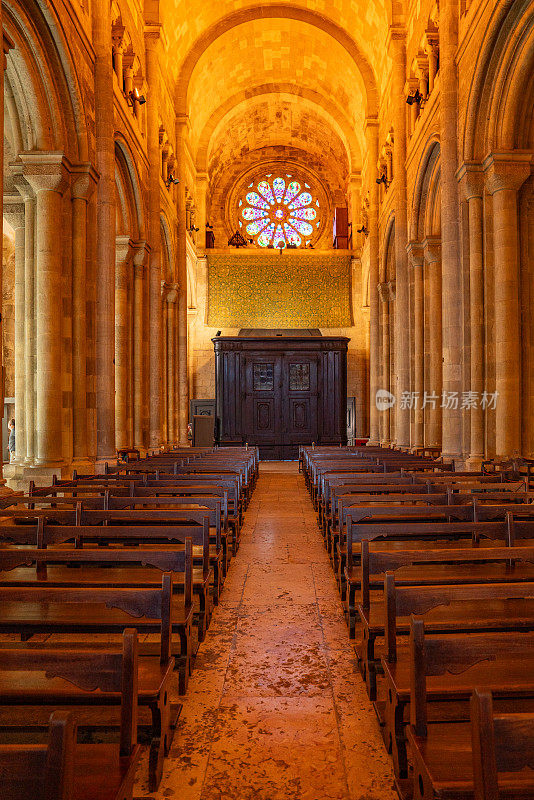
(171, 180)
(135, 97)
(414, 97)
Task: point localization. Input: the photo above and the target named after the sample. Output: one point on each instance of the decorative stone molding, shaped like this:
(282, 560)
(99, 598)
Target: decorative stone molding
(392, 288)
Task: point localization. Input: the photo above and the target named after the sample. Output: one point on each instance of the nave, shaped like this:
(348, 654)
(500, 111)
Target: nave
(276, 708)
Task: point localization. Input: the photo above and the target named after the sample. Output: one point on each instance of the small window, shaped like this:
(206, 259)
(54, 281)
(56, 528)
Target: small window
(263, 377)
(299, 377)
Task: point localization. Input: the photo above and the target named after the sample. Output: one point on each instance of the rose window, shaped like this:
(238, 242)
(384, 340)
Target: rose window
(279, 212)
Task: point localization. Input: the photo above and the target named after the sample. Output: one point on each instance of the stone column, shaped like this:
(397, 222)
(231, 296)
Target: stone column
(152, 34)
(451, 271)
(171, 298)
(47, 175)
(139, 260)
(355, 206)
(84, 181)
(432, 250)
(504, 177)
(384, 292)
(105, 255)
(28, 197)
(432, 42)
(14, 213)
(7, 45)
(472, 185)
(123, 263)
(371, 134)
(416, 257)
(182, 124)
(397, 50)
(202, 218)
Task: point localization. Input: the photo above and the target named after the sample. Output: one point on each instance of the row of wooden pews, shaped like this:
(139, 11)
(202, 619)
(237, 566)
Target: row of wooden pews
(435, 569)
(107, 587)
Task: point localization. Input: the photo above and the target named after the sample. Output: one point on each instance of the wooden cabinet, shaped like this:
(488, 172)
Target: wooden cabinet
(281, 391)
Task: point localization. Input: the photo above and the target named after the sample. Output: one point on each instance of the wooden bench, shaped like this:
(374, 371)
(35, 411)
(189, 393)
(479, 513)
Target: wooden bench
(446, 609)
(27, 610)
(89, 678)
(65, 770)
(500, 744)
(434, 677)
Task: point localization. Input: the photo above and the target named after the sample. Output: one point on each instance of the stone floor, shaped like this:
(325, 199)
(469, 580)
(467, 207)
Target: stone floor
(276, 709)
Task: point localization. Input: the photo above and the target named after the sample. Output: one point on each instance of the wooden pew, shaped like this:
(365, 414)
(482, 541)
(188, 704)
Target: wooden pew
(432, 680)
(500, 744)
(65, 770)
(88, 678)
(139, 566)
(446, 755)
(69, 610)
(446, 609)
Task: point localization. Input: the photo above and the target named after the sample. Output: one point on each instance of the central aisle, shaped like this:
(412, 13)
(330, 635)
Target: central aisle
(276, 709)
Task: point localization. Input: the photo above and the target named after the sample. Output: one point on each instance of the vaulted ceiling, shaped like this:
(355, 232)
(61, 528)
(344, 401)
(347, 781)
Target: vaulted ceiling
(255, 77)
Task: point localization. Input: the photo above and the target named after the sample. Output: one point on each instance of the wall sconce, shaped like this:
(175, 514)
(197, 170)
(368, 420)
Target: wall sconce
(171, 180)
(209, 227)
(192, 229)
(383, 179)
(414, 97)
(134, 97)
(363, 230)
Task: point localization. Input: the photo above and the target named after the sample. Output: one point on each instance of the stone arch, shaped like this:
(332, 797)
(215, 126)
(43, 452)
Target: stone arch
(325, 107)
(130, 206)
(44, 87)
(168, 271)
(425, 218)
(272, 12)
(498, 116)
(387, 262)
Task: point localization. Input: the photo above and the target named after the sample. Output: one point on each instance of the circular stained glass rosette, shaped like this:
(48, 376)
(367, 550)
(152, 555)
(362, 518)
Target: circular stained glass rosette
(279, 213)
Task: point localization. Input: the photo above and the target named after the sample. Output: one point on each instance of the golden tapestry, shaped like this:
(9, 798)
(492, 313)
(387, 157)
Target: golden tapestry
(273, 291)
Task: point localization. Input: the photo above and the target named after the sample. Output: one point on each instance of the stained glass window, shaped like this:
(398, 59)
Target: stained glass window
(279, 211)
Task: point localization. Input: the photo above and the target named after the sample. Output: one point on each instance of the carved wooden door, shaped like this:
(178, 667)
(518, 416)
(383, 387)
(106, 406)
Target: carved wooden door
(300, 394)
(262, 410)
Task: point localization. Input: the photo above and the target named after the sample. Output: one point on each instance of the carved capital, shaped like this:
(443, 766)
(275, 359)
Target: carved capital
(471, 179)
(83, 181)
(432, 249)
(505, 172)
(123, 249)
(140, 257)
(415, 254)
(45, 171)
(14, 211)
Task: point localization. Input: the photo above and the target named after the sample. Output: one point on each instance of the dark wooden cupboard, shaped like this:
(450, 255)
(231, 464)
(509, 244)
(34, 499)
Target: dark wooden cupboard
(278, 391)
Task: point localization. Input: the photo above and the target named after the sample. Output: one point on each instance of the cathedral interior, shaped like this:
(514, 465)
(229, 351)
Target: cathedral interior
(312, 222)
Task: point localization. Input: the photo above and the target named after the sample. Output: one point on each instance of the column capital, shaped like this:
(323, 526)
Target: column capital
(506, 171)
(471, 179)
(370, 125)
(383, 292)
(153, 33)
(397, 35)
(84, 179)
(14, 211)
(46, 171)
(415, 254)
(392, 288)
(432, 249)
(19, 181)
(124, 249)
(170, 290)
(141, 251)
